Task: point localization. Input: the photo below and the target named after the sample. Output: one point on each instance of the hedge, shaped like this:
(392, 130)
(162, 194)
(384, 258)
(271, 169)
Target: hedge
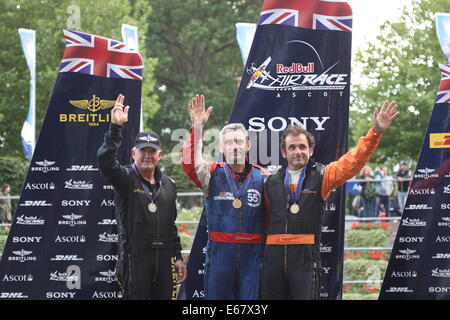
(368, 238)
(366, 265)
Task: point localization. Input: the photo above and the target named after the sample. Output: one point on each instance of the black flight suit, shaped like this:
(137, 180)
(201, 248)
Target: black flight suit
(294, 271)
(148, 242)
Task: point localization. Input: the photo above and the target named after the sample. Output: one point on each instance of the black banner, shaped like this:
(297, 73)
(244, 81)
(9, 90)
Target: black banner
(419, 266)
(63, 240)
(301, 76)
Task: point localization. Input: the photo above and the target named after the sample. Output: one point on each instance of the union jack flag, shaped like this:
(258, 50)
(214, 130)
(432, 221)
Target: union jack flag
(310, 14)
(443, 95)
(91, 54)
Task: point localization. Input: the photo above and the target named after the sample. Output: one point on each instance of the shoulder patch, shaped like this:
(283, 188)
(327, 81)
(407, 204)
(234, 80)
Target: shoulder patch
(262, 169)
(172, 180)
(277, 169)
(319, 167)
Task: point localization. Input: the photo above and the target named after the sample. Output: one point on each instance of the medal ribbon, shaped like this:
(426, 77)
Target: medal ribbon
(294, 198)
(236, 193)
(144, 186)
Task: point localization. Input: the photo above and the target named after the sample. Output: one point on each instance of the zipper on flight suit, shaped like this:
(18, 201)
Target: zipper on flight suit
(285, 247)
(238, 244)
(157, 236)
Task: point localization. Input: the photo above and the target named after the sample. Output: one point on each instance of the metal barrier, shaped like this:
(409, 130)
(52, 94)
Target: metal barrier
(365, 281)
(10, 197)
(348, 219)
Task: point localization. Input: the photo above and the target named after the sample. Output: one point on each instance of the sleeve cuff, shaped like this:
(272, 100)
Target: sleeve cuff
(372, 131)
(116, 126)
(197, 125)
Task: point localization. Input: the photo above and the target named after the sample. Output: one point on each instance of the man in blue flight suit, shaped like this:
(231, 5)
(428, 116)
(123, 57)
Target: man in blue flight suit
(234, 208)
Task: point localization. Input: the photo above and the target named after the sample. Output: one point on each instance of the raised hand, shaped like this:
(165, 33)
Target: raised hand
(119, 114)
(382, 120)
(197, 110)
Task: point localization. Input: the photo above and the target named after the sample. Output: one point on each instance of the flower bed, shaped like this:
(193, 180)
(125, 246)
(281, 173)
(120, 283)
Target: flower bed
(368, 265)
(3, 236)
(187, 231)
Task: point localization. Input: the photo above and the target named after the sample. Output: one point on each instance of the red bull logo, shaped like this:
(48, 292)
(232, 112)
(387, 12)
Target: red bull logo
(296, 68)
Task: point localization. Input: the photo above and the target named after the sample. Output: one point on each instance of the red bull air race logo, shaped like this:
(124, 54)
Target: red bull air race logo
(308, 76)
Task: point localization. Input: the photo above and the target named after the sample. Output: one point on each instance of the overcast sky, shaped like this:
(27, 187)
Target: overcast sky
(369, 15)
(367, 18)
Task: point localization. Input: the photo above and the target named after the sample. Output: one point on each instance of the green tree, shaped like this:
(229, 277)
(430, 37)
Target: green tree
(402, 65)
(195, 43)
(13, 172)
(49, 18)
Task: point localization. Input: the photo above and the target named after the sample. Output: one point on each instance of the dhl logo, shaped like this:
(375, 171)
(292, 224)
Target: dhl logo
(439, 140)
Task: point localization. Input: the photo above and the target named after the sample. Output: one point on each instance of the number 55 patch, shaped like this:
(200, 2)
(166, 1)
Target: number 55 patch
(253, 198)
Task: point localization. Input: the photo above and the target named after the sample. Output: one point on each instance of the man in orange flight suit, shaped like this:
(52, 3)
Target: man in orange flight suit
(294, 198)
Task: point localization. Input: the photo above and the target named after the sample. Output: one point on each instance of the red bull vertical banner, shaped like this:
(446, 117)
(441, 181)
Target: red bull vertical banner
(298, 71)
(419, 266)
(63, 240)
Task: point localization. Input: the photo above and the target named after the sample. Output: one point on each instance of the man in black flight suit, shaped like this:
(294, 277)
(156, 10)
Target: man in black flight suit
(149, 245)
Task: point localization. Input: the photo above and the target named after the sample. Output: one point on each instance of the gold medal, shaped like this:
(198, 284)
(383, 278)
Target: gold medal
(295, 208)
(237, 203)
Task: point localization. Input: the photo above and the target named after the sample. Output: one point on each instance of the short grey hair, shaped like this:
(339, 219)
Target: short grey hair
(230, 128)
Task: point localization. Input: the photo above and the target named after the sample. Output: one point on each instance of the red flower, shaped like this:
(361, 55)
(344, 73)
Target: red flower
(355, 225)
(184, 229)
(376, 255)
(371, 290)
(346, 288)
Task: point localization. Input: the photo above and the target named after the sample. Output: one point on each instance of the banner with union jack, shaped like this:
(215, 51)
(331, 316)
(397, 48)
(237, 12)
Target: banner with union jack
(297, 71)
(419, 266)
(85, 53)
(443, 95)
(310, 14)
(63, 239)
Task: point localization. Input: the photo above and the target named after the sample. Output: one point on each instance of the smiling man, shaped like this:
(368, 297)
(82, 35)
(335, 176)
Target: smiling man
(149, 245)
(295, 198)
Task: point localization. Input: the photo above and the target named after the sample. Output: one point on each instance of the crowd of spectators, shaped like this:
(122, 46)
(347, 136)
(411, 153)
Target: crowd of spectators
(381, 193)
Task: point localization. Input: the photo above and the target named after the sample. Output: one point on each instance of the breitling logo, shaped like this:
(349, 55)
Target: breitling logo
(148, 138)
(94, 105)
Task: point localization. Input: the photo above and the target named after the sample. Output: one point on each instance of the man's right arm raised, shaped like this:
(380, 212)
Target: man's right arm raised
(195, 166)
(107, 153)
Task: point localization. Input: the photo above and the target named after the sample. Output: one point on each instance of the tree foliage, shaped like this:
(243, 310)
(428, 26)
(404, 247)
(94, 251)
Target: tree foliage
(402, 64)
(195, 44)
(49, 18)
(13, 172)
